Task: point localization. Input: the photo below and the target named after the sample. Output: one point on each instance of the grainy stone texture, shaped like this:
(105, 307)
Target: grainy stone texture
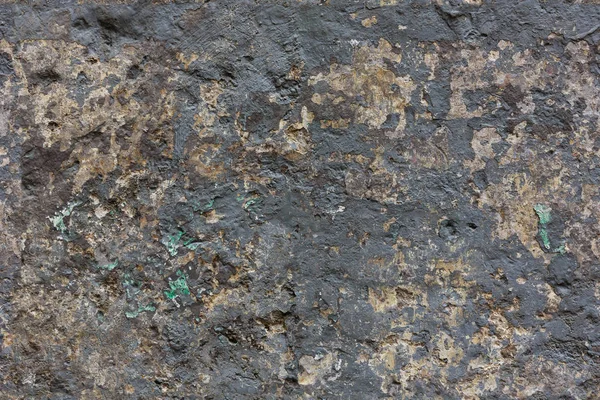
(380, 199)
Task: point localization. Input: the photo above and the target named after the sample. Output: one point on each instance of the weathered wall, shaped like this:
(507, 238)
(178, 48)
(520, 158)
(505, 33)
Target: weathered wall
(381, 199)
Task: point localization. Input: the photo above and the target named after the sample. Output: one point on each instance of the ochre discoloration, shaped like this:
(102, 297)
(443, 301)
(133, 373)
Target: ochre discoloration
(382, 92)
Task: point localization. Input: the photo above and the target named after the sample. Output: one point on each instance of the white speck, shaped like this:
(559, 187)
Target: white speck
(338, 365)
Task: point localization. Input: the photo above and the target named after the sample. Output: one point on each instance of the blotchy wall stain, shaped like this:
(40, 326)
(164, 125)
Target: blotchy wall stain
(310, 199)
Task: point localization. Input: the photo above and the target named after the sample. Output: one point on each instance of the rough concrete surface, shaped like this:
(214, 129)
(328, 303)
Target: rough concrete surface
(301, 199)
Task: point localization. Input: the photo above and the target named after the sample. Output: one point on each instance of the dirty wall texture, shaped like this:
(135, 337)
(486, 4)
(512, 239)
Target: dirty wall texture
(381, 199)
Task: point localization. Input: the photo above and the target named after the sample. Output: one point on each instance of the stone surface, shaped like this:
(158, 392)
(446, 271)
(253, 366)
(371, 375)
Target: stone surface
(303, 199)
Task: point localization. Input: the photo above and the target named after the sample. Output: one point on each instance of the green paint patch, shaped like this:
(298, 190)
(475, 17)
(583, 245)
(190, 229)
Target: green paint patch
(543, 213)
(252, 202)
(109, 267)
(561, 249)
(190, 244)
(176, 241)
(178, 287)
(141, 309)
(249, 200)
(544, 216)
(173, 243)
(544, 235)
(58, 220)
(208, 206)
(131, 287)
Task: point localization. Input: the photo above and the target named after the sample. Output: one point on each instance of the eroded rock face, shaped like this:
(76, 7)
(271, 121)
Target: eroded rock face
(314, 199)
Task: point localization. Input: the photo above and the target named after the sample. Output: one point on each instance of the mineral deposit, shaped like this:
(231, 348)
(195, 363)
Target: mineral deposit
(300, 199)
